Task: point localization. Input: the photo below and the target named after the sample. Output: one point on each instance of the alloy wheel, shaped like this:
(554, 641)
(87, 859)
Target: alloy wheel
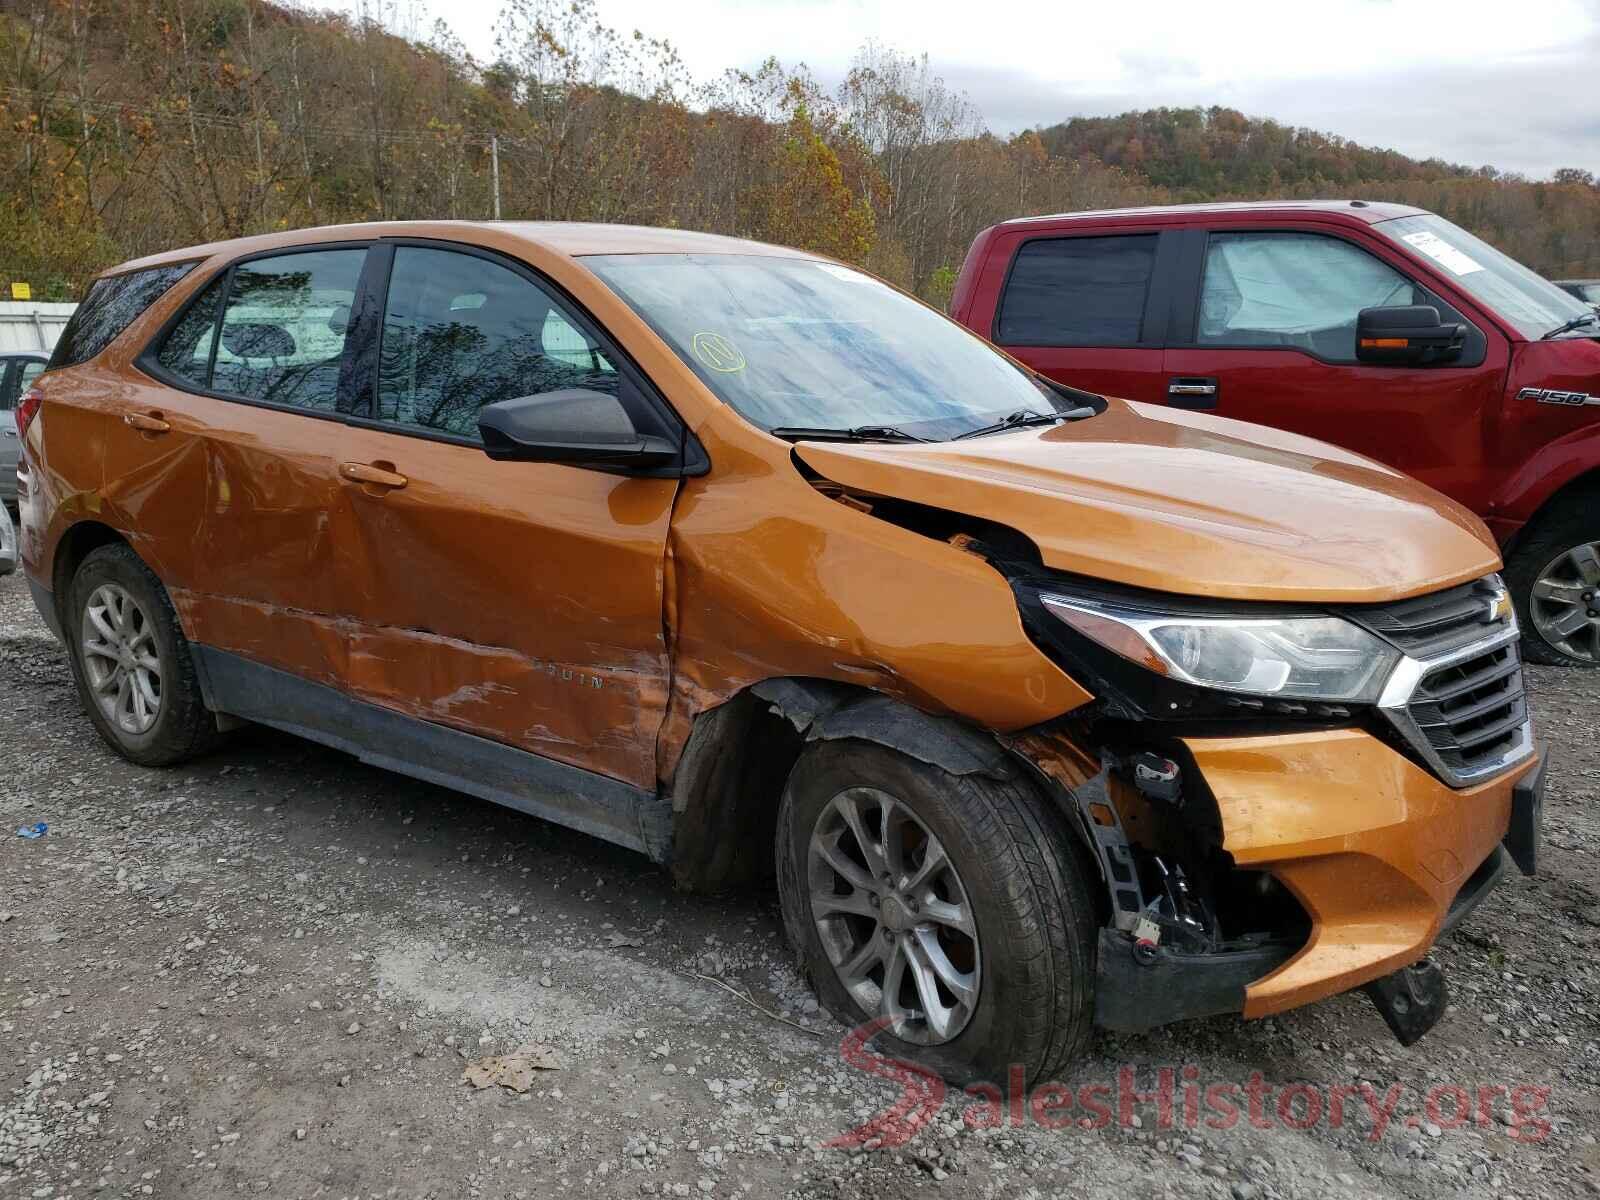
(120, 661)
(893, 916)
(1565, 603)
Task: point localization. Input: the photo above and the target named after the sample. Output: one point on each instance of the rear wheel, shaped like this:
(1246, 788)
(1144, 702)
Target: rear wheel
(1554, 576)
(951, 907)
(131, 662)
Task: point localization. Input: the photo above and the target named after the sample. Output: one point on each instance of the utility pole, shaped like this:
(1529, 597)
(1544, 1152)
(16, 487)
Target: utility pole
(494, 170)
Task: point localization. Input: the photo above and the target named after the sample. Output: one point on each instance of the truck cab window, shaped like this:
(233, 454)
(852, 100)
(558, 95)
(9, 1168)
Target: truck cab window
(1080, 291)
(1292, 291)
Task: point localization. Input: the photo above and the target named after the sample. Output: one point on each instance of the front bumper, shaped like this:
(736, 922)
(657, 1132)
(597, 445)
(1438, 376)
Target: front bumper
(1378, 851)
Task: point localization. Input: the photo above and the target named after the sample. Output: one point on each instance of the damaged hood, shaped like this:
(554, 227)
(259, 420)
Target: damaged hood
(1184, 502)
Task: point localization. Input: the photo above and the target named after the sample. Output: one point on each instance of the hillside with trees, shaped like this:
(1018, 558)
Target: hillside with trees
(137, 125)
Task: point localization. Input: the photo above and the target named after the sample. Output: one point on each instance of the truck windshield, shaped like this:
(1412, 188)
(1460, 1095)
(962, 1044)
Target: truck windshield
(1530, 302)
(791, 342)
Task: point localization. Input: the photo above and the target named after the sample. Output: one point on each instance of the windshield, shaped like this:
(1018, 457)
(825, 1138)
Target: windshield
(1529, 301)
(790, 342)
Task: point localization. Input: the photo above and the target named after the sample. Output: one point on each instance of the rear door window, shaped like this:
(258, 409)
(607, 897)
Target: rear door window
(1293, 290)
(28, 370)
(109, 308)
(1080, 291)
(282, 331)
(460, 332)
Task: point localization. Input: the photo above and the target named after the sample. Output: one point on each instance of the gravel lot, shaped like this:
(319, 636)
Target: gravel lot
(266, 971)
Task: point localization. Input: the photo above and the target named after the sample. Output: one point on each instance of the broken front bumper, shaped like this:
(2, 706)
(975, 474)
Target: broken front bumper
(1380, 853)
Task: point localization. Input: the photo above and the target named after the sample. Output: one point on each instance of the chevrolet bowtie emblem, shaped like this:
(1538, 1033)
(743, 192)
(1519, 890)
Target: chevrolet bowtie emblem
(1497, 608)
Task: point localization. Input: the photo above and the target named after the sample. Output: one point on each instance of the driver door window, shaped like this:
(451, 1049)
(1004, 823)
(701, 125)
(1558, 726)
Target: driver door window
(460, 332)
(1293, 291)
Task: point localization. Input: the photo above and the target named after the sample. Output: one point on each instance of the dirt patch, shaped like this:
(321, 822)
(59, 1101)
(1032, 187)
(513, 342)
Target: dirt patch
(264, 973)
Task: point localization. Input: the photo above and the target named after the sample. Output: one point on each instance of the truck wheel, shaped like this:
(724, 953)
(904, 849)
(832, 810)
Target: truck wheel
(132, 663)
(1554, 575)
(954, 907)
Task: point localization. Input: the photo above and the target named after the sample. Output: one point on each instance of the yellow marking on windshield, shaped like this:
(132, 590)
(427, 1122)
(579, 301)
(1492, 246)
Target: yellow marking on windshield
(718, 353)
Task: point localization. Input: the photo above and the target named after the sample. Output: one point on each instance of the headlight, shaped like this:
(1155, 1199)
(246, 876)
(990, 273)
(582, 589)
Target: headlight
(1303, 658)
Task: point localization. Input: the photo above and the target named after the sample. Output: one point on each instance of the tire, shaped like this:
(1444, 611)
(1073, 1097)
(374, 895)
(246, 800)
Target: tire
(178, 726)
(1550, 559)
(1021, 880)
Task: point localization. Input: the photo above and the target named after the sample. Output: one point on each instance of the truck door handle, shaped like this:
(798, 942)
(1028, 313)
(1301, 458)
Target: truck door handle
(146, 422)
(376, 478)
(1186, 391)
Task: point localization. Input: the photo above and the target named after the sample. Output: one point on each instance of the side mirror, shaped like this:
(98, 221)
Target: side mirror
(573, 425)
(1409, 335)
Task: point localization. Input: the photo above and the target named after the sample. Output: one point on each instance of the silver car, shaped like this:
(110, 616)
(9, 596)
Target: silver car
(1583, 289)
(17, 373)
(8, 542)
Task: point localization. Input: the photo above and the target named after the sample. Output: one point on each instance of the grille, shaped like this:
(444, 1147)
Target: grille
(1432, 625)
(1473, 712)
(1458, 696)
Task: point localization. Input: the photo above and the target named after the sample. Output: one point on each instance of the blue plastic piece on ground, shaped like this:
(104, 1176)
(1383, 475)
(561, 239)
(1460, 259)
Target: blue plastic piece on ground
(33, 831)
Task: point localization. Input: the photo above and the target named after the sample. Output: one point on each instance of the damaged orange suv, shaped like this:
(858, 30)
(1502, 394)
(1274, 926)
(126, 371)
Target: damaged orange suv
(1045, 709)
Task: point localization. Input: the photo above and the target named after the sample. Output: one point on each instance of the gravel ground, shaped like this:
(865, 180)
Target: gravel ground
(266, 971)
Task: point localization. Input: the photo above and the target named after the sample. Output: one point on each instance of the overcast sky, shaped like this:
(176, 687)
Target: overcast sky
(1515, 86)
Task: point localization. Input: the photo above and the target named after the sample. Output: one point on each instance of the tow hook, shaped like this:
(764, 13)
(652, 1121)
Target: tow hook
(1411, 1000)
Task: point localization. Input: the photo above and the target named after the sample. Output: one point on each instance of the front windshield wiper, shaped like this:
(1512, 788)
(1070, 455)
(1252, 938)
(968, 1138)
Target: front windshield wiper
(858, 433)
(1575, 323)
(1024, 417)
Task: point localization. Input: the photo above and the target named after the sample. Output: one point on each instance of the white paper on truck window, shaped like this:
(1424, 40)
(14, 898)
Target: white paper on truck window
(1443, 253)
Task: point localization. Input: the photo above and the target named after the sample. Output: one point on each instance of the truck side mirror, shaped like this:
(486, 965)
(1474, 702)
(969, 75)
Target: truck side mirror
(1407, 335)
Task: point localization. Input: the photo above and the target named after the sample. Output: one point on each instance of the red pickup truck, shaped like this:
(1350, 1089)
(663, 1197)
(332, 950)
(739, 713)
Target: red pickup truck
(1378, 327)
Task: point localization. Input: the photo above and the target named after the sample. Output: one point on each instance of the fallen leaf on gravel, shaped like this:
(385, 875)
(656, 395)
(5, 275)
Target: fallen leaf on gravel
(514, 1071)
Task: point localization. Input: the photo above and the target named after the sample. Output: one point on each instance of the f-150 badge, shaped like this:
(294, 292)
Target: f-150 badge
(1550, 396)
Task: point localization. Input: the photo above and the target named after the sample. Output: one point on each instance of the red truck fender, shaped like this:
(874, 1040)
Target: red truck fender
(1554, 467)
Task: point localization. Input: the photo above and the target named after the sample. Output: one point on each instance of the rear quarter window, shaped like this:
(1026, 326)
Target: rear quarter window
(110, 307)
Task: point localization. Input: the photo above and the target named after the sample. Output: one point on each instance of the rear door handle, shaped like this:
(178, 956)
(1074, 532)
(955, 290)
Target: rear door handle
(146, 422)
(1188, 391)
(381, 476)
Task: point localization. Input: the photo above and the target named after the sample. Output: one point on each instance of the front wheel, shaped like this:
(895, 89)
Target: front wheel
(1554, 576)
(950, 908)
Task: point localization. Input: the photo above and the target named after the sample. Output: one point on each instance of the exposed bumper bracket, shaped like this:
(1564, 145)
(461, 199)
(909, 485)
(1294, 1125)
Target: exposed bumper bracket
(1527, 814)
(1141, 987)
(1411, 1001)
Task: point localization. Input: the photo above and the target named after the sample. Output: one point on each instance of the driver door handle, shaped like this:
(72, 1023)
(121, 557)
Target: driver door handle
(146, 422)
(373, 475)
(1187, 391)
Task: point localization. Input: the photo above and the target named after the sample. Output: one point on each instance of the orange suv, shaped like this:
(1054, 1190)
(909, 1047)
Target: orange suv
(1044, 709)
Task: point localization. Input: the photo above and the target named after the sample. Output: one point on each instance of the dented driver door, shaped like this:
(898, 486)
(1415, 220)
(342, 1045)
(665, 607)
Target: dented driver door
(518, 601)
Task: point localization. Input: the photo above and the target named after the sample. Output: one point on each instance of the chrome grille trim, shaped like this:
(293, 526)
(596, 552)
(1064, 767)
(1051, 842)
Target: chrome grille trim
(1416, 710)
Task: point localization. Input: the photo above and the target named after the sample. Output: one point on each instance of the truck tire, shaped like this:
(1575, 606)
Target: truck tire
(953, 907)
(131, 662)
(1554, 577)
